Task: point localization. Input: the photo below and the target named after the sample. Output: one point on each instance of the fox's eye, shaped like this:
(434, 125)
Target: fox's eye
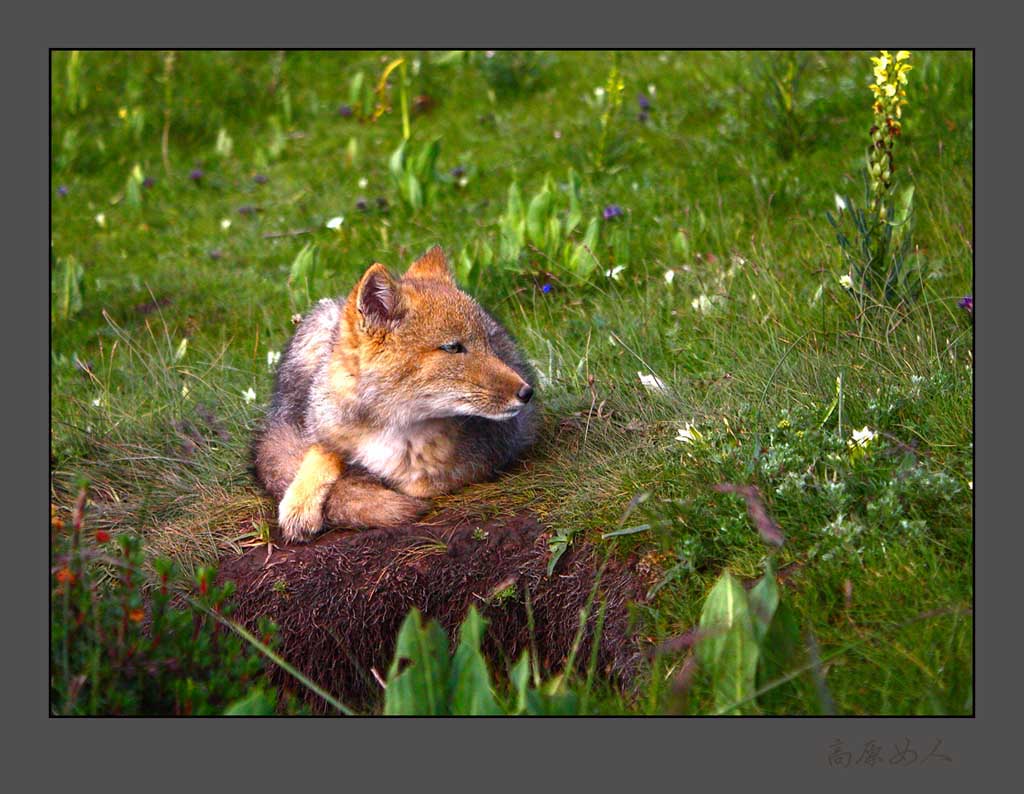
(452, 347)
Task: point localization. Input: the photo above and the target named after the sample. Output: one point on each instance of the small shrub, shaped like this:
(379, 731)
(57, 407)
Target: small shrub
(118, 648)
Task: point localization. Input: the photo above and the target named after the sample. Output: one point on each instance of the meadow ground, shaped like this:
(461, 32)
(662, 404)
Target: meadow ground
(702, 335)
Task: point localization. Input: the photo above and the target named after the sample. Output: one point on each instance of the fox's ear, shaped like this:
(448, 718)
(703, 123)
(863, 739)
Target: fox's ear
(378, 299)
(432, 265)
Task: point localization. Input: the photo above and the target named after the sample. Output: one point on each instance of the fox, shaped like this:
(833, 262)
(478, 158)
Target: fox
(401, 391)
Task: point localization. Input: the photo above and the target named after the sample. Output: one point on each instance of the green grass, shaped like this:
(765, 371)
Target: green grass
(883, 539)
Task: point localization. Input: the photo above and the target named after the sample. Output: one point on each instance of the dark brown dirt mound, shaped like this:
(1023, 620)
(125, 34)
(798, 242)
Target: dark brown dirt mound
(339, 602)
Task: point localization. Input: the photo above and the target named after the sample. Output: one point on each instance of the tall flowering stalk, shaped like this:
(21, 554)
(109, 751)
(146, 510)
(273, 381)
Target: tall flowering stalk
(613, 91)
(890, 96)
(877, 248)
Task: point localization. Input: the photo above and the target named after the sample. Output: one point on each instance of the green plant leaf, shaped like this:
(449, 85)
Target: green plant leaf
(575, 211)
(396, 163)
(412, 190)
(764, 600)
(424, 161)
(355, 90)
(469, 682)
(302, 275)
(520, 678)
(417, 681)
(728, 649)
(256, 704)
(68, 287)
(537, 216)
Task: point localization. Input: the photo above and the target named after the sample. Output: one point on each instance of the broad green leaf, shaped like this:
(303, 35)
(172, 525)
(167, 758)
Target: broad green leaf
(412, 190)
(446, 57)
(575, 212)
(68, 283)
(520, 678)
(464, 266)
(554, 234)
(256, 704)
(417, 681)
(780, 644)
(303, 272)
(514, 208)
(537, 216)
(425, 159)
(728, 649)
(469, 682)
(764, 600)
(355, 90)
(396, 164)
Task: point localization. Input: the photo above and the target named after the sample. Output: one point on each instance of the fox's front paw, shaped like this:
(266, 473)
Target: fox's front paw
(299, 518)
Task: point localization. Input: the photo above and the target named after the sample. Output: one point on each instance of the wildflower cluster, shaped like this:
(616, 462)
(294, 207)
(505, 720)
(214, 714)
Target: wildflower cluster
(890, 74)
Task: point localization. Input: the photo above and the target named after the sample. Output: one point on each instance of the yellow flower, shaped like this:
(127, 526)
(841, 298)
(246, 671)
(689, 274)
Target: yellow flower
(122, 113)
(902, 55)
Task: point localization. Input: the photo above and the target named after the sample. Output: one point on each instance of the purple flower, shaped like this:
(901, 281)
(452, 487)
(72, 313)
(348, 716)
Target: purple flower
(216, 254)
(259, 179)
(644, 102)
(345, 111)
(458, 171)
(967, 304)
(247, 209)
(148, 182)
(62, 190)
(546, 288)
(196, 174)
(361, 205)
(612, 211)
(382, 204)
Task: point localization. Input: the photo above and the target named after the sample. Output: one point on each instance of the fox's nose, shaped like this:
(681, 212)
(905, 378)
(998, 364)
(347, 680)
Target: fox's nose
(525, 393)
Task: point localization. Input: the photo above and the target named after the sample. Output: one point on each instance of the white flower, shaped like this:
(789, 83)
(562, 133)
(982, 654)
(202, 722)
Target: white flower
(614, 272)
(669, 275)
(363, 182)
(225, 224)
(845, 281)
(840, 203)
(335, 222)
(273, 356)
(862, 437)
(652, 382)
(970, 485)
(101, 220)
(249, 395)
(599, 92)
(463, 181)
(701, 304)
(97, 402)
(688, 434)
(179, 354)
(652, 89)
(557, 134)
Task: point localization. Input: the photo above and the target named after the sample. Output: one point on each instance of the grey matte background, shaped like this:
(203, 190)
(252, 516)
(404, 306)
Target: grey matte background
(681, 754)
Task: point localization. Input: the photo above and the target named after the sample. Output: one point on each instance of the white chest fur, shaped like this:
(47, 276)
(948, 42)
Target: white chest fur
(403, 454)
(385, 453)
